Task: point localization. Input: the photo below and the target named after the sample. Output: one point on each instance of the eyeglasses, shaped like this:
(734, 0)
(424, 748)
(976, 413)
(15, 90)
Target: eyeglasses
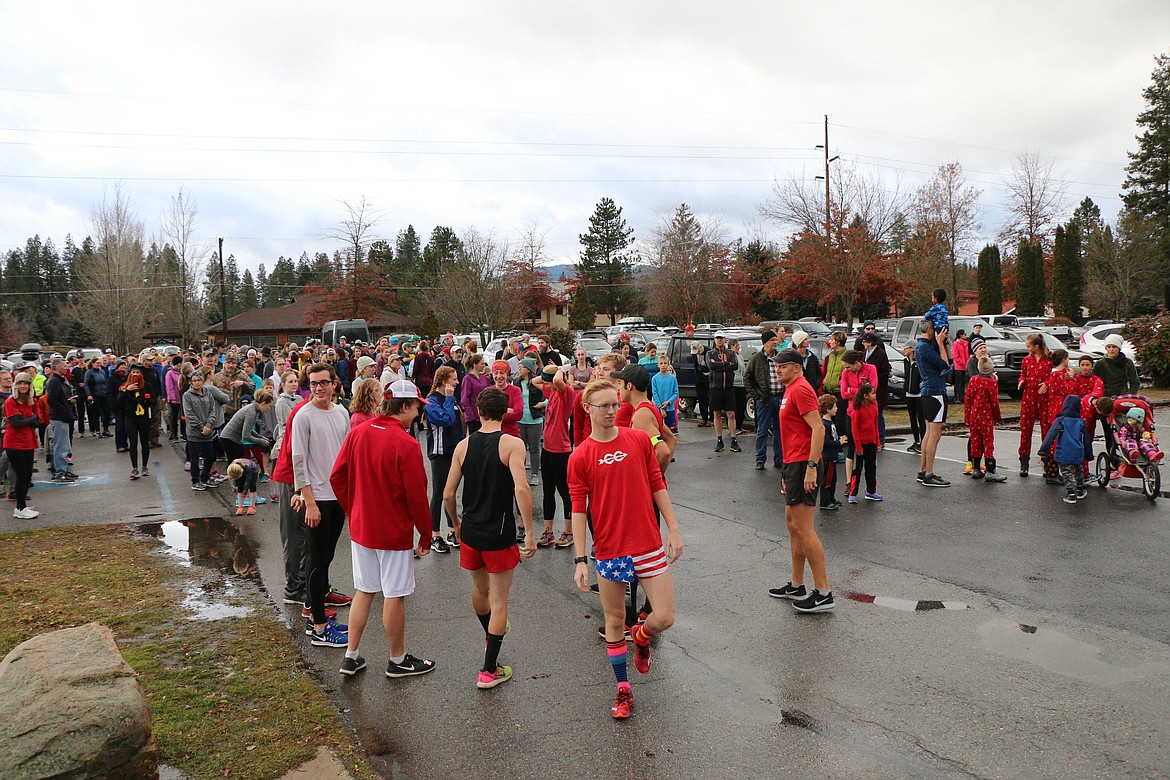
(606, 407)
(871, 328)
(322, 383)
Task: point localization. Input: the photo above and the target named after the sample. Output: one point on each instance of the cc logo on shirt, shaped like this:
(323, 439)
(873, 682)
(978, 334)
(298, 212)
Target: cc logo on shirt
(611, 458)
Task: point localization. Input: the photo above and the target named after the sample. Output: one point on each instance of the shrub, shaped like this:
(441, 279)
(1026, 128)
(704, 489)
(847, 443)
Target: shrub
(562, 340)
(1151, 340)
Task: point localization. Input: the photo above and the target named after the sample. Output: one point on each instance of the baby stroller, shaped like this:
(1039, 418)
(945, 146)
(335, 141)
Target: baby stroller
(1114, 459)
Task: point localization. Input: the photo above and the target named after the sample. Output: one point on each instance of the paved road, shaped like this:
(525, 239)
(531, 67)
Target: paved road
(1053, 659)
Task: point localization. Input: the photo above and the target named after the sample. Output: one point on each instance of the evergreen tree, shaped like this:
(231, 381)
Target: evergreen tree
(1068, 273)
(582, 312)
(1147, 181)
(231, 272)
(1030, 293)
(248, 297)
(304, 271)
(283, 284)
(606, 263)
(990, 281)
(261, 285)
(441, 250)
(1087, 217)
(407, 250)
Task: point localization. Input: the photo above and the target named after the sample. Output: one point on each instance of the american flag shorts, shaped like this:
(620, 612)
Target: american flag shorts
(628, 567)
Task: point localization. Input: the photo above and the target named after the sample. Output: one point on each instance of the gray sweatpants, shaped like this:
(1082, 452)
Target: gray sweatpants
(294, 540)
(1073, 476)
(530, 435)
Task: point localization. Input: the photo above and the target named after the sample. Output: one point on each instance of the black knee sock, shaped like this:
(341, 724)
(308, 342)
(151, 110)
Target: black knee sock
(492, 654)
(484, 620)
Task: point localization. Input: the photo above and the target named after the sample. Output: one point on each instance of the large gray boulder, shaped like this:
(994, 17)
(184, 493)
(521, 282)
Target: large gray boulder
(73, 708)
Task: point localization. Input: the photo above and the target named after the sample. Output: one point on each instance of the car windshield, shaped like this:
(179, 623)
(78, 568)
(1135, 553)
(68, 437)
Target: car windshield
(967, 323)
(818, 329)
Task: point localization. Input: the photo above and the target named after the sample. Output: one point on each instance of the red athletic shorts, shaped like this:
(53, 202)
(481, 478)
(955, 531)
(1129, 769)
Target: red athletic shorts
(496, 561)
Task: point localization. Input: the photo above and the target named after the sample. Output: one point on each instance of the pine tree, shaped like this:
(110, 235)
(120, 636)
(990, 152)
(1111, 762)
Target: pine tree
(440, 252)
(990, 281)
(606, 262)
(261, 285)
(1147, 181)
(1030, 279)
(304, 271)
(1068, 273)
(248, 298)
(582, 312)
(407, 251)
(283, 284)
(231, 272)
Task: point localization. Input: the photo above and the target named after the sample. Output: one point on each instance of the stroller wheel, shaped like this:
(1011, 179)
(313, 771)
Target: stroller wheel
(1103, 469)
(1151, 481)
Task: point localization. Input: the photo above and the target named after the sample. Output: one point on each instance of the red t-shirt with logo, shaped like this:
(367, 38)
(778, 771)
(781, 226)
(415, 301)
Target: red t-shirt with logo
(795, 435)
(615, 482)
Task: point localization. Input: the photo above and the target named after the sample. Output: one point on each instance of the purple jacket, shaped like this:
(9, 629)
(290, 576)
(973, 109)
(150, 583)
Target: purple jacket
(172, 383)
(472, 387)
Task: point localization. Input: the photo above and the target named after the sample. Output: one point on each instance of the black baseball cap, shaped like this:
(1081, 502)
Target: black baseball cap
(789, 355)
(635, 374)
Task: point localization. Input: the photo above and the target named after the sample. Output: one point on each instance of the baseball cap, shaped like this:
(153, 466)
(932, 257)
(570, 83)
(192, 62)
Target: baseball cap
(404, 388)
(786, 356)
(1113, 340)
(635, 374)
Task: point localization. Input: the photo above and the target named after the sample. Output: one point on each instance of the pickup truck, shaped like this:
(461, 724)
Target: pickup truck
(1007, 355)
(1062, 332)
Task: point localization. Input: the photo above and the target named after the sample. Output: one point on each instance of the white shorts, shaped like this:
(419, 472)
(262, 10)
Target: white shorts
(390, 572)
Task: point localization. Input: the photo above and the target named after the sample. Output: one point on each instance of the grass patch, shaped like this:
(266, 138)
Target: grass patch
(229, 697)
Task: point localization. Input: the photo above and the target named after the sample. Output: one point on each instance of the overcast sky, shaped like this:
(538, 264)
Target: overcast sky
(500, 114)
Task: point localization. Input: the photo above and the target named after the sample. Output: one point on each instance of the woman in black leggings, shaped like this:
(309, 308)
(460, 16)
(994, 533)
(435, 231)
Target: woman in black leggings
(137, 404)
(20, 441)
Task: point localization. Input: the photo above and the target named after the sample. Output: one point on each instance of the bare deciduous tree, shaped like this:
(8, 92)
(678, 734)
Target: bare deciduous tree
(946, 208)
(355, 228)
(692, 269)
(1036, 194)
(473, 292)
(116, 298)
(178, 226)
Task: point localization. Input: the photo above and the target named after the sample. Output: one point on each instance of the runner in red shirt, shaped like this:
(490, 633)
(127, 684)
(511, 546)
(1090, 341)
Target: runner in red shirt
(555, 450)
(614, 475)
(379, 480)
(802, 436)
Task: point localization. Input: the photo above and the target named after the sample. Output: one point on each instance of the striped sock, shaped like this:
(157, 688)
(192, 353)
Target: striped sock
(643, 633)
(617, 659)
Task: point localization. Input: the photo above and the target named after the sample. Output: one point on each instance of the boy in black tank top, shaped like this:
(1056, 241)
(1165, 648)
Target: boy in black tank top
(494, 464)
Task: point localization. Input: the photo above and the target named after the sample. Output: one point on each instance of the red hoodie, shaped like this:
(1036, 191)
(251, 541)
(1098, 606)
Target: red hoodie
(864, 424)
(380, 482)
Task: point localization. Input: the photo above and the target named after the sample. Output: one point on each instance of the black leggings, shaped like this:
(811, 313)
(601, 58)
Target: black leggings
(322, 545)
(22, 464)
(554, 473)
(865, 459)
(177, 423)
(917, 420)
(138, 431)
(93, 408)
(440, 467)
(232, 450)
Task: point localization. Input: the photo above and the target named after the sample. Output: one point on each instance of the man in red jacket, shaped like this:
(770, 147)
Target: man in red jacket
(379, 480)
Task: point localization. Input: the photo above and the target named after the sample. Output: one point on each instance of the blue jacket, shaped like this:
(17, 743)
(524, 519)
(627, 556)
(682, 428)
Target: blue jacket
(931, 367)
(444, 427)
(1067, 436)
(665, 387)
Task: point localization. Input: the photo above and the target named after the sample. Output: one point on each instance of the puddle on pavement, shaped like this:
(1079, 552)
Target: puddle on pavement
(1055, 652)
(222, 555)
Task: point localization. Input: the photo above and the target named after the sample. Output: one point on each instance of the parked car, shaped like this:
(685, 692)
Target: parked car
(595, 348)
(1000, 320)
(1093, 340)
(712, 326)
(1050, 341)
(679, 350)
(88, 353)
(31, 352)
(1094, 323)
(1007, 354)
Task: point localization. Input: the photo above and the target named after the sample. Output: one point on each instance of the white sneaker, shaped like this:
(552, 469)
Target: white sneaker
(28, 513)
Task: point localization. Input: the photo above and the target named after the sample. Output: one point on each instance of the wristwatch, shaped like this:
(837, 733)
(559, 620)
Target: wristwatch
(580, 559)
(813, 464)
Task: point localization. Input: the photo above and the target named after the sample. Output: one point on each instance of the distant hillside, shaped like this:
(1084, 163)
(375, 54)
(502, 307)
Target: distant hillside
(567, 269)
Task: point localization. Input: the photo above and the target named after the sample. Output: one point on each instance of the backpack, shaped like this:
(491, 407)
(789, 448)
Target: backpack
(1070, 446)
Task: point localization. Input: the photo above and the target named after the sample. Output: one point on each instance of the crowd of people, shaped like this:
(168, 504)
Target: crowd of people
(337, 432)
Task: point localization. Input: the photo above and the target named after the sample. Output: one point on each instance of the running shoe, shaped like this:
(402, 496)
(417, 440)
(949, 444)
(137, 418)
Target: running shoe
(145, 472)
(874, 497)
(410, 667)
(1070, 498)
(992, 477)
(852, 499)
(719, 446)
(263, 477)
(492, 679)
(340, 628)
(133, 474)
(1082, 494)
(335, 599)
(546, 539)
(239, 511)
(328, 637)
(210, 485)
(261, 500)
(641, 654)
(439, 546)
(643, 613)
(735, 446)
(28, 513)
(816, 602)
(251, 510)
(351, 666)
(970, 467)
(199, 486)
(934, 480)
(601, 633)
(623, 703)
(759, 467)
(789, 591)
(308, 613)
(452, 541)
(566, 540)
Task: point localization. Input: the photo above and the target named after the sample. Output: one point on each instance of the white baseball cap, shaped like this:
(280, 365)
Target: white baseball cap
(404, 388)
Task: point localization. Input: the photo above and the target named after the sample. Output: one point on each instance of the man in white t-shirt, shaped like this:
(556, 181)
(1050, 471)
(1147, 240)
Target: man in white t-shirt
(319, 431)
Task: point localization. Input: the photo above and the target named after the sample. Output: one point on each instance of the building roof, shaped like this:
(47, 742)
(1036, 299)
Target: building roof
(292, 317)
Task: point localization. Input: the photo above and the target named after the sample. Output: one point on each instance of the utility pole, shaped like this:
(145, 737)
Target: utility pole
(828, 198)
(223, 296)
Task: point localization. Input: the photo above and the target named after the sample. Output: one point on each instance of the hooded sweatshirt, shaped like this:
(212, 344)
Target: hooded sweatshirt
(1071, 443)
